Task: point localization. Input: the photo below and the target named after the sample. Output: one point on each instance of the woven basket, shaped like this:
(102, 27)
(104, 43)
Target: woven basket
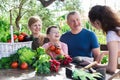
(10, 48)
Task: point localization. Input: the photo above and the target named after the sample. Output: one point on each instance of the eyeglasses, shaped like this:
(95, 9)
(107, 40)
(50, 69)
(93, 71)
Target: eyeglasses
(53, 32)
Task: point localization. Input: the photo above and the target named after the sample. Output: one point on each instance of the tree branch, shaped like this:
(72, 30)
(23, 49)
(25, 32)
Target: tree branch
(19, 14)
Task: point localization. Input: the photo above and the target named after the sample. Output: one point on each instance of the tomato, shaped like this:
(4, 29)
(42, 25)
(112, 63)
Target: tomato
(20, 37)
(15, 36)
(57, 51)
(14, 64)
(52, 48)
(24, 66)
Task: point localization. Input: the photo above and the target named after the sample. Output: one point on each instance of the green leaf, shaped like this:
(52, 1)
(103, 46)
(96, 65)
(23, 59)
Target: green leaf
(83, 75)
(41, 51)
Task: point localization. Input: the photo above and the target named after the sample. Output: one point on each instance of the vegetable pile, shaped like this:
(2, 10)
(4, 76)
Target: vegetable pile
(55, 65)
(5, 62)
(17, 36)
(38, 60)
(42, 65)
(27, 55)
(64, 59)
(24, 57)
(55, 49)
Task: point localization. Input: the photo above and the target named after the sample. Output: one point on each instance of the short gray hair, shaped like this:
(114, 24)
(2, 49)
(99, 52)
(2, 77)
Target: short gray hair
(71, 13)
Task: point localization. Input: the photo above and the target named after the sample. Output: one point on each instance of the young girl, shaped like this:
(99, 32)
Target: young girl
(55, 47)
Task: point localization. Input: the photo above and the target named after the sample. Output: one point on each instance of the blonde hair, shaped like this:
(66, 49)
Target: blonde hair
(33, 19)
(41, 39)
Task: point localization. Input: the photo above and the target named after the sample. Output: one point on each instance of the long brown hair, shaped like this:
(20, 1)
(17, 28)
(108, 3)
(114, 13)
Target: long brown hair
(108, 18)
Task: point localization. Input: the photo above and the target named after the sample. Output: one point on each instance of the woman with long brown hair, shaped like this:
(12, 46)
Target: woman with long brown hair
(105, 19)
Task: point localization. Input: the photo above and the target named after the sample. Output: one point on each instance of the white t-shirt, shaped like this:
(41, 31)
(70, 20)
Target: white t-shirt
(112, 36)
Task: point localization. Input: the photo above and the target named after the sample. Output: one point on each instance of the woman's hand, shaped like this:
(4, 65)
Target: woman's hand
(100, 57)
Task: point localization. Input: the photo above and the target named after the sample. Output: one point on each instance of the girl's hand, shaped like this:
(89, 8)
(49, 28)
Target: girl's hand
(57, 45)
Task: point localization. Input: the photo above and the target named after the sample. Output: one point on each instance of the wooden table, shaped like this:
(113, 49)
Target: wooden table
(17, 74)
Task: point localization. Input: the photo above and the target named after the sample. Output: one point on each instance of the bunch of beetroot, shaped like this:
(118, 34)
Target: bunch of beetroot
(54, 65)
(64, 59)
